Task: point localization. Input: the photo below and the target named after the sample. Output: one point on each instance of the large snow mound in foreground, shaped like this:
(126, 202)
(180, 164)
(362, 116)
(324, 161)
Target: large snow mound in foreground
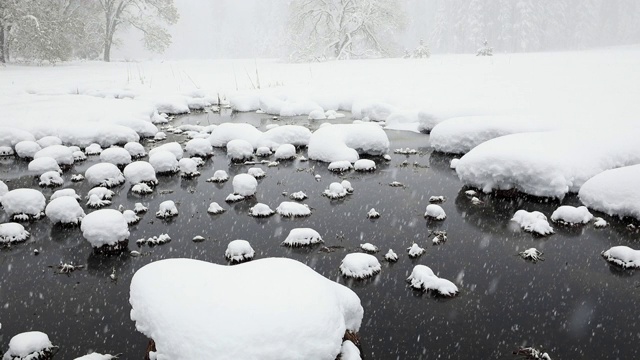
(268, 309)
(615, 192)
(346, 141)
(548, 163)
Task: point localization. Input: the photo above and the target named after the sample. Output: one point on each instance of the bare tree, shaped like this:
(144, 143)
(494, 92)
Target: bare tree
(144, 15)
(343, 29)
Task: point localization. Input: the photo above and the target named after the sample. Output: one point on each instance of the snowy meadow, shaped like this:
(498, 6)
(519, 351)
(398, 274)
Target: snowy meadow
(455, 207)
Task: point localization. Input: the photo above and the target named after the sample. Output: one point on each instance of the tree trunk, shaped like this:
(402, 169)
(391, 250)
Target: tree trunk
(107, 51)
(2, 60)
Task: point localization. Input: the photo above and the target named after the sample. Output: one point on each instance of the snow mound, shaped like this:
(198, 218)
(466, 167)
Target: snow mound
(106, 227)
(345, 141)
(261, 210)
(51, 178)
(347, 186)
(415, 250)
(188, 168)
(204, 301)
(293, 209)
(97, 356)
(226, 132)
(340, 166)
(263, 151)
(435, 212)
(535, 222)
(104, 174)
(239, 150)
(130, 216)
(95, 201)
(349, 351)
(140, 208)
(93, 149)
(167, 209)
(172, 147)
(64, 192)
(32, 345)
(42, 165)
(422, 277)
(368, 247)
(298, 196)
(47, 141)
(27, 149)
(101, 192)
(65, 210)
(231, 198)
(79, 156)
(391, 256)
(364, 165)
(135, 149)
(239, 251)
(359, 265)
(244, 185)
(215, 209)
(159, 136)
(373, 214)
(623, 256)
(23, 204)
(335, 191)
(140, 172)
(219, 176)
(256, 172)
(62, 154)
(599, 223)
(548, 164)
(199, 147)
(286, 134)
(570, 215)
(302, 237)
(154, 240)
(6, 151)
(614, 192)
(164, 162)
(12, 233)
(116, 156)
(285, 152)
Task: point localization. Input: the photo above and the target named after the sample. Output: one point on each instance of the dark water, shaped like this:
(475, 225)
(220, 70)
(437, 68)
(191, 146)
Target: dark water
(573, 304)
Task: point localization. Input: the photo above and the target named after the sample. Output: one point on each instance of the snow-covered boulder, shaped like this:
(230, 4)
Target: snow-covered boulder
(115, 155)
(368, 247)
(302, 237)
(172, 147)
(340, 166)
(51, 178)
(130, 216)
(140, 172)
(105, 229)
(347, 186)
(570, 215)
(215, 208)
(64, 210)
(23, 204)
(293, 209)
(104, 174)
(164, 162)
(219, 176)
(42, 165)
(64, 192)
(422, 277)
(12, 233)
(204, 301)
(160, 136)
(141, 189)
(244, 185)
(93, 149)
(199, 147)
(364, 165)
(62, 154)
(47, 141)
(391, 256)
(623, 256)
(6, 151)
(614, 192)
(263, 151)
(285, 134)
(534, 222)
(226, 132)
(261, 210)
(188, 168)
(167, 209)
(346, 141)
(335, 191)
(27, 149)
(359, 265)
(285, 152)
(78, 155)
(256, 172)
(239, 251)
(135, 149)
(435, 212)
(101, 192)
(139, 208)
(298, 196)
(31, 345)
(239, 150)
(415, 250)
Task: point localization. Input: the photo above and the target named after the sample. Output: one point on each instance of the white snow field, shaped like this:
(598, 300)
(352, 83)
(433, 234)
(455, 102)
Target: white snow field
(615, 192)
(359, 265)
(29, 345)
(217, 325)
(23, 204)
(106, 227)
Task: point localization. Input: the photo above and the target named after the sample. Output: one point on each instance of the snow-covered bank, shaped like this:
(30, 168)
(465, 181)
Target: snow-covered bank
(614, 192)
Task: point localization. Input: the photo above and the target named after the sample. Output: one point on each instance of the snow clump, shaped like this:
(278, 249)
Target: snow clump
(261, 210)
(239, 251)
(23, 204)
(534, 222)
(239, 150)
(140, 172)
(422, 277)
(347, 186)
(435, 212)
(219, 176)
(141, 189)
(12, 233)
(292, 209)
(167, 209)
(298, 196)
(79, 156)
(116, 156)
(599, 223)
(256, 172)
(164, 162)
(140, 208)
(335, 191)
(154, 240)
(340, 166)
(42, 165)
(623, 256)
(93, 149)
(302, 237)
(345, 141)
(391, 256)
(359, 265)
(104, 174)
(373, 214)
(531, 254)
(64, 192)
(97, 356)
(188, 168)
(31, 345)
(285, 152)
(62, 154)
(570, 215)
(215, 209)
(263, 151)
(437, 199)
(105, 228)
(172, 147)
(364, 165)
(415, 250)
(27, 149)
(135, 149)
(244, 185)
(130, 216)
(368, 247)
(65, 210)
(51, 179)
(47, 141)
(199, 147)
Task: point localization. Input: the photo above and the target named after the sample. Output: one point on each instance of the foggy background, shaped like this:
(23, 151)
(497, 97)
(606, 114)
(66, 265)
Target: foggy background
(258, 28)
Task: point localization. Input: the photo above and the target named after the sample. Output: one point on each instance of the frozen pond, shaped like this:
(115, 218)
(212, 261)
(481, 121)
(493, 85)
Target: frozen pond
(573, 305)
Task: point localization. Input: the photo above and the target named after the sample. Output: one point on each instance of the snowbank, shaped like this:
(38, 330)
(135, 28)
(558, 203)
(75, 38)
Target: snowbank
(346, 141)
(422, 277)
(359, 265)
(204, 301)
(614, 192)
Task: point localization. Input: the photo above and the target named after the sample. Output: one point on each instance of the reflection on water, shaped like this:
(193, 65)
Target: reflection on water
(573, 304)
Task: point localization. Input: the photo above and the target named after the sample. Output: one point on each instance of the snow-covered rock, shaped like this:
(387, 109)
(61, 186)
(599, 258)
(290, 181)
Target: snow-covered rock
(97, 356)
(154, 240)
(373, 214)
(115, 155)
(140, 208)
(141, 189)
(570, 215)
(359, 265)
(391, 256)
(219, 176)
(532, 254)
(199, 147)
(302, 237)
(47, 141)
(231, 198)
(340, 166)
(226, 132)
(167, 209)
(104, 174)
(6, 151)
(261, 210)
(438, 199)
(239, 251)
(160, 136)
(422, 277)
(140, 172)
(130, 216)
(345, 141)
(51, 178)
(101, 192)
(440, 237)
(317, 114)
(614, 192)
(27, 149)
(535, 222)
(62, 154)
(335, 191)
(95, 202)
(31, 345)
(239, 150)
(188, 168)
(79, 156)
(293, 209)
(172, 147)
(599, 223)
(415, 250)
(135, 149)
(347, 186)
(23, 204)
(164, 162)
(64, 210)
(623, 256)
(298, 196)
(42, 165)
(12, 233)
(364, 165)
(203, 301)
(215, 208)
(106, 227)
(435, 212)
(256, 172)
(285, 152)
(64, 192)
(93, 149)
(263, 151)
(368, 247)
(244, 185)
